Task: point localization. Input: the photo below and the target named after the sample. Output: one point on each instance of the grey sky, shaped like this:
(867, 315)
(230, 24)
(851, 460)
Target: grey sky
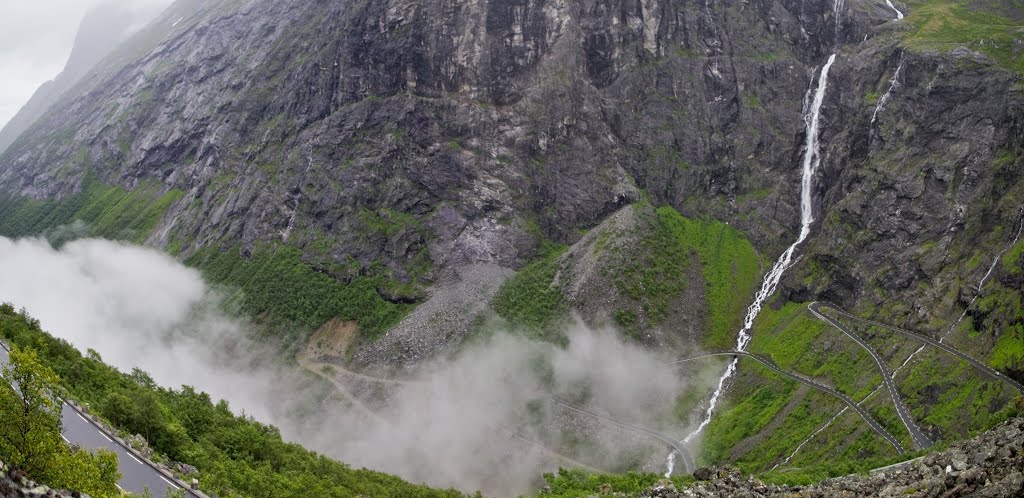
(35, 40)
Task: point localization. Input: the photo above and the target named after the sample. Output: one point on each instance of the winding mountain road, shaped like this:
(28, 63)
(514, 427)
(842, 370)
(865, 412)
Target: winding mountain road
(317, 368)
(512, 433)
(987, 370)
(810, 383)
(138, 475)
(682, 450)
(916, 435)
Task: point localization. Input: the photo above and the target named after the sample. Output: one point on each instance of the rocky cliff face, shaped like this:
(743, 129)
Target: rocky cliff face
(416, 139)
(99, 33)
(429, 136)
(287, 121)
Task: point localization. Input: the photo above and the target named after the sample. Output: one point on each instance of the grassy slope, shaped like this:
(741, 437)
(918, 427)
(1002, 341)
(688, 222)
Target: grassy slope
(792, 338)
(236, 456)
(945, 24)
(653, 277)
(575, 483)
(108, 211)
(532, 300)
(942, 393)
(729, 264)
(277, 286)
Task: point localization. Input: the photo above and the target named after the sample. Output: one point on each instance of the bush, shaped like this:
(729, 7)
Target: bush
(236, 456)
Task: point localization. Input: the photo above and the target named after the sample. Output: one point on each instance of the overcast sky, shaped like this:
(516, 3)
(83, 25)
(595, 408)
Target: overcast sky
(35, 40)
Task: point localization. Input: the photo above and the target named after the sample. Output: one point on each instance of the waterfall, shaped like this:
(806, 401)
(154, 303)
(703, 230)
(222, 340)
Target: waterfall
(899, 15)
(894, 84)
(811, 161)
(837, 11)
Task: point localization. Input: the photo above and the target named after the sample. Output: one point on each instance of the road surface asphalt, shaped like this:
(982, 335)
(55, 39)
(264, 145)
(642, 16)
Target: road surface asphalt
(137, 475)
(808, 382)
(918, 437)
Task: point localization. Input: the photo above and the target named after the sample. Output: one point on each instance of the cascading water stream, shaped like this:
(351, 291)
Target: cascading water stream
(977, 294)
(981, 284)
(899, 15)
(894, 84)
(811, 161)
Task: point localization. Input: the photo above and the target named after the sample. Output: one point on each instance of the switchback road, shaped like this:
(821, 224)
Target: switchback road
(918, 437)
(810, 383)
(669, 440)
(987, 370)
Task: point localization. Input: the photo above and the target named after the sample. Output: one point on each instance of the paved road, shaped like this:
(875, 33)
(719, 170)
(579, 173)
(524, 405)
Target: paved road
(316, 368)
(544, 449)
(137, 476)
(918, 437)
(932, 342)
(808, 382)
(669, 440)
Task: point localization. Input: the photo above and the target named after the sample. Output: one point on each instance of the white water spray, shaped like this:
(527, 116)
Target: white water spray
(899, 15)
(837, 11)
(894, 84)
(812, 159)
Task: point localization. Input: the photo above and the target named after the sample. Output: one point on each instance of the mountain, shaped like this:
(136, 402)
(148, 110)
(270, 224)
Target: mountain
(408, 169)
(100, 31)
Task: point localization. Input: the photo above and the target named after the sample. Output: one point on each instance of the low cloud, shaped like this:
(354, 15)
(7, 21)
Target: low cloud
(36, 38)
(475, 421)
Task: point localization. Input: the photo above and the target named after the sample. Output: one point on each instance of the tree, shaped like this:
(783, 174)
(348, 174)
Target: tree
(95, 474)
(30, 427)
(29, 414)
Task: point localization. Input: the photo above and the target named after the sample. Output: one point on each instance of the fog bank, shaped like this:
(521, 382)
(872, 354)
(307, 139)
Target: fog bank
(461, 422)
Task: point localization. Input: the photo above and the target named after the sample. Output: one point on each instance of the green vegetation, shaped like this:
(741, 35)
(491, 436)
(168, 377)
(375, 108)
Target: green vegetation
(750, 414)
(945, 24)
(949, 394)
(797, 341)
(999, 317)
(769, 416)
(532, 300)
(236, 456)
(575, 483)
(30, 428)
(751, 101)
(822, 470)
(275, 285)
(653, 277)
(729, 265)
(1013, 259)
(108, 211)
(388, 222)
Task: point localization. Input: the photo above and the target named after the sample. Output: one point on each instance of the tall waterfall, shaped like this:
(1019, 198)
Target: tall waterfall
(811, 161)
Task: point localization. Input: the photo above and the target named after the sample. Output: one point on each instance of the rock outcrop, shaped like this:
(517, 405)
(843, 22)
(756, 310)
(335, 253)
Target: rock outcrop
(991, 465)
(102, 29)
(428, 134)
(14, 484)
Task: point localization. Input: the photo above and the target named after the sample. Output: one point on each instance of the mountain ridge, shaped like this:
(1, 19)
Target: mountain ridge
(385, 147)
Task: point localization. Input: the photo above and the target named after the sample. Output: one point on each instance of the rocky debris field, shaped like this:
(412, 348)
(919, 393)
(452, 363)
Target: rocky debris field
(990, 465)
(14, 484)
